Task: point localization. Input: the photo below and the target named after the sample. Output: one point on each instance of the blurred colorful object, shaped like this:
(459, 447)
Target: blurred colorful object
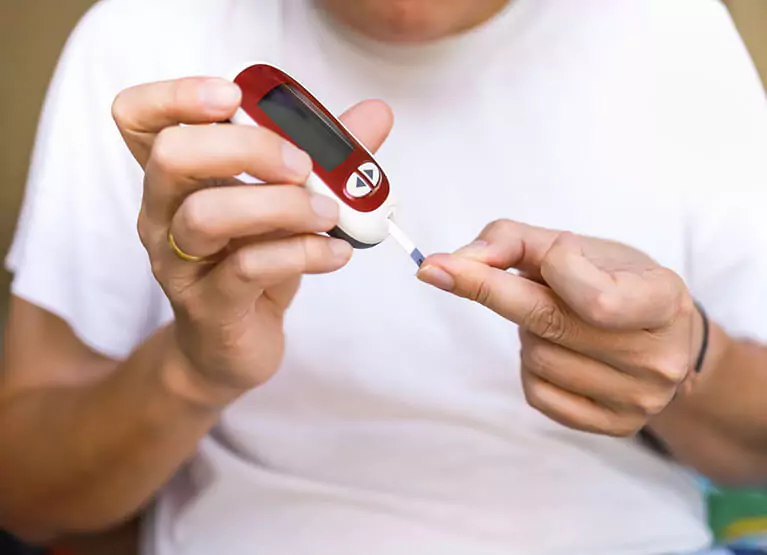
(738, 517)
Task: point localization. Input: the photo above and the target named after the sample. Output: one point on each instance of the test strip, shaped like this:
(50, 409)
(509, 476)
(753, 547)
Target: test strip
(401, 237)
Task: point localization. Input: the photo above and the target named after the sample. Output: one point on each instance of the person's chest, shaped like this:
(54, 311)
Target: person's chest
(390, 386)
(374, 327)
(515, 141)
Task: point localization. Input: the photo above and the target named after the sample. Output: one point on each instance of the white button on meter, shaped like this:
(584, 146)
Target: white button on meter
(372, 172)
(357, 187)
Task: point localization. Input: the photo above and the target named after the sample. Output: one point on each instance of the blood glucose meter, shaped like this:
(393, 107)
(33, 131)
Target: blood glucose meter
(344, 169)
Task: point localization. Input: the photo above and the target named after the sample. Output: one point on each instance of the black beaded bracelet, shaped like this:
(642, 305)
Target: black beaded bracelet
(704, 344)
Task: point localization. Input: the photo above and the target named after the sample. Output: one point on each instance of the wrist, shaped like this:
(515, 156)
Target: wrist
(692, 397)
(701, 337)
(184, 381)
(709, 346)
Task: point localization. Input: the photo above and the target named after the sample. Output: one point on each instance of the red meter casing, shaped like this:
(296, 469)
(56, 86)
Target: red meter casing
(343, 169)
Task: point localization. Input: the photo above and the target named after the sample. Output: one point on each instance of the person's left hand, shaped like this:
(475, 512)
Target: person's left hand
(608, 336)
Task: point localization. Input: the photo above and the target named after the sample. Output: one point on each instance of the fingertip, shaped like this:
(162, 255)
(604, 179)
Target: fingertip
(341, 250)
(384, 111)
(436, 259)
(377, 108)
(370, 121)
(219, 95)
(437, 277)
(296, 161)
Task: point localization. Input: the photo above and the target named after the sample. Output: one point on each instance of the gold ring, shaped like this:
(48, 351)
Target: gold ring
(181, 254)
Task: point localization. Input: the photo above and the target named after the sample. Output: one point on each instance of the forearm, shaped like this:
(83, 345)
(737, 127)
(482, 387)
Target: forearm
(85, 457)
(720, 428)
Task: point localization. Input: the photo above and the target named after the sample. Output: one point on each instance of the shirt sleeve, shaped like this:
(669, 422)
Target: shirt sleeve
(723, 108)
(76, 252)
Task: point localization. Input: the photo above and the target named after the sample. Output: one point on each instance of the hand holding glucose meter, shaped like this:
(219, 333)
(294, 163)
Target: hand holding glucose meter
(344, 169)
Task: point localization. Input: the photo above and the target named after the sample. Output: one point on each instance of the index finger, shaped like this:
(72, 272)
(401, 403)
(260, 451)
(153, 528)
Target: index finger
(142, 111)
(529, 304)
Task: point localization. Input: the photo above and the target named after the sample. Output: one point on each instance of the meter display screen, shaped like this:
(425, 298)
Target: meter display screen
(308, 127)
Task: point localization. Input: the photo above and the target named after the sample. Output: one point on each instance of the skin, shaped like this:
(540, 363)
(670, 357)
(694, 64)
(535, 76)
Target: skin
(227, 336)
(74, 425)
(412, 21)
(609, 340)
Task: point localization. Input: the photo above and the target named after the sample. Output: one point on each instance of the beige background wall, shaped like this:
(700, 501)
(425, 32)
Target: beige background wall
(751, 17)
(32, 33)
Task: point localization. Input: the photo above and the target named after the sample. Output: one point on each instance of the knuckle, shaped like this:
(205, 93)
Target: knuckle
(618, 425)
(537, 356)
(680, 303)
(649, 404)
(684, 306)
(191, 309)
(533, 390)
(671, 368)
(482, 293)
(157, 266)
(565, 239)
(548, 322)
(180, 89)
(605, 309)
(243, 266)
(502, 226)
(295, 201)
(196, 215)
(306, 252)
(165, 154)
(563, 243)
(534, 399)
(121, 109)
(143, 229)
(528, 385)
(623, 427)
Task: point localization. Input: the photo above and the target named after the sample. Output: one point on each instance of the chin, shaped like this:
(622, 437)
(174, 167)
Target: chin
(398, 35)
(413, 20)
(401, 21)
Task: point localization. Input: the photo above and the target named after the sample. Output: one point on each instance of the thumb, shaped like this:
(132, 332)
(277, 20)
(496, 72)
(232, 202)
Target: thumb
(370, 122)
(611, 285)
(506, 244)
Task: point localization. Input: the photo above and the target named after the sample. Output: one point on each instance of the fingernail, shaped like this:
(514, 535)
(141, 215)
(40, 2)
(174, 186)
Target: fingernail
(324, 207)
(220, 94)
(340, 248)
(296, 160)
(437, 277)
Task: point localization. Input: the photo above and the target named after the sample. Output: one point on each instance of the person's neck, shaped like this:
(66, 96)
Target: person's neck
(360, 18)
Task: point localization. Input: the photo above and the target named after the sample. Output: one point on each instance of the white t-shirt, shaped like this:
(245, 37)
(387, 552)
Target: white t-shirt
(397, 423)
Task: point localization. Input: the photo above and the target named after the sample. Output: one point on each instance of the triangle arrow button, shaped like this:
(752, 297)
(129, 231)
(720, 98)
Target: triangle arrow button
(372, 172)
(357, 187)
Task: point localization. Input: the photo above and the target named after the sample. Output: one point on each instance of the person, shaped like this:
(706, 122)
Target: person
(256, 386)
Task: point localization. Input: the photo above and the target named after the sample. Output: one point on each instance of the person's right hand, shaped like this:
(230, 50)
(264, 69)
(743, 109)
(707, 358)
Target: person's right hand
(257, 240)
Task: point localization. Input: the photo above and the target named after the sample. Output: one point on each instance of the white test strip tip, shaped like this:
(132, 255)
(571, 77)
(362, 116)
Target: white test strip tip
(401, 237)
